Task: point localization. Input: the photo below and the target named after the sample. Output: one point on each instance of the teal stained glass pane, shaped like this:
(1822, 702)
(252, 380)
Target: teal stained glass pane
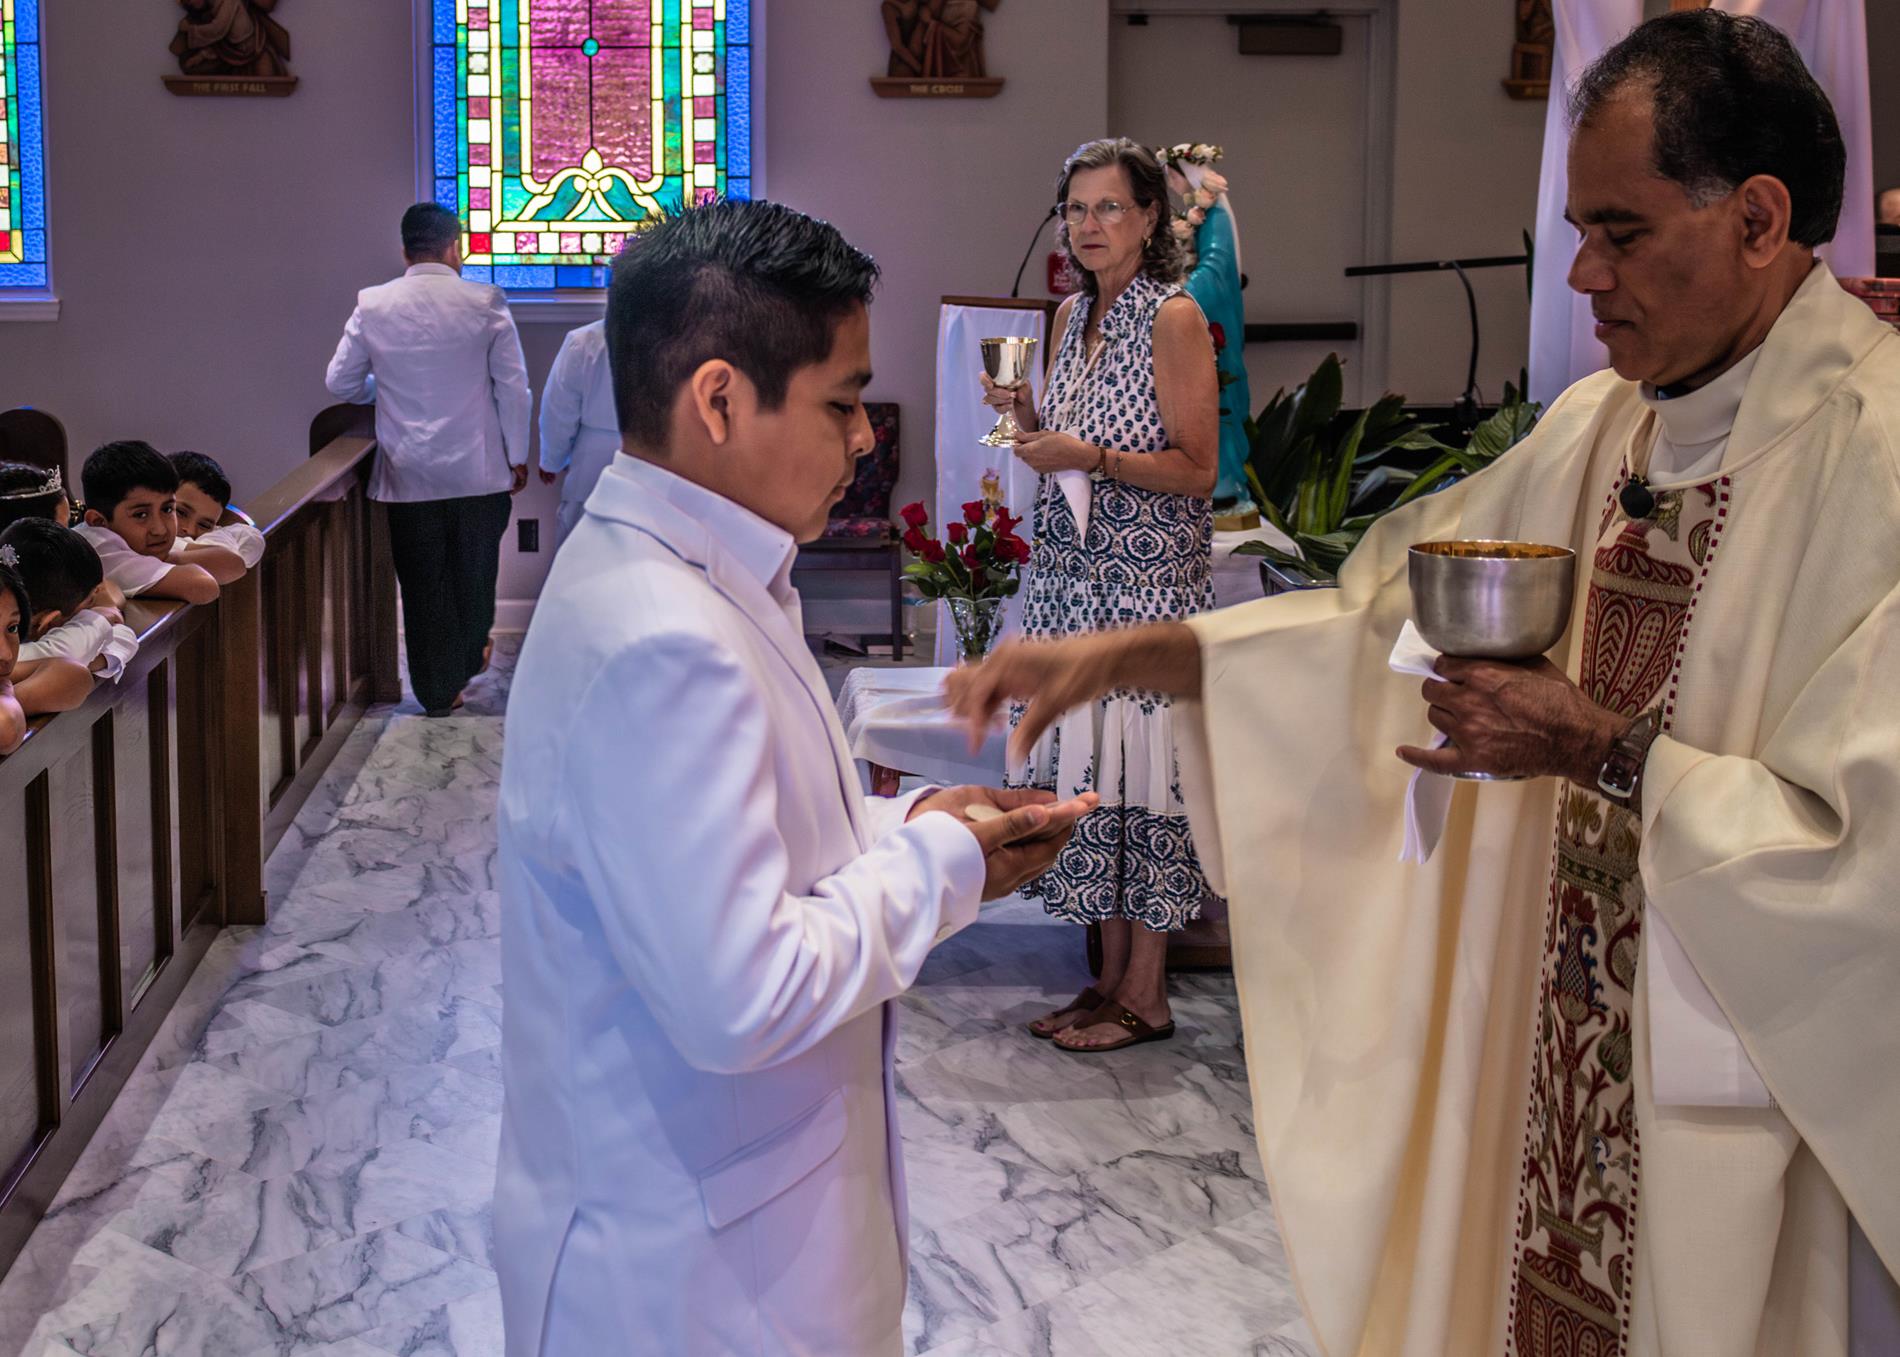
(23, 263)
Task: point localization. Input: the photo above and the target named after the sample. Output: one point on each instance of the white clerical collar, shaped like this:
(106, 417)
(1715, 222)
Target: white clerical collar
(1707, 414)
(765, 550)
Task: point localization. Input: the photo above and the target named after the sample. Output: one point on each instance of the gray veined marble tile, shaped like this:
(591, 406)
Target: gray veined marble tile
(331, 1058)
(348, 1289)
(478, 1140)
(339, 1125)
(486, 1061)
(345, 994)
(469, 1327)
(440, 921)
(130, 1301)
(243, 1225)
(467, 1234)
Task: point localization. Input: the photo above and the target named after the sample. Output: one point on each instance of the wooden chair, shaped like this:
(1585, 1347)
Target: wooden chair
(34, 437)
(860, 535)
(341, 421)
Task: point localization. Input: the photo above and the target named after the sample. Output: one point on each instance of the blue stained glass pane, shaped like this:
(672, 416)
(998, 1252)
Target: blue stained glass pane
(578, 275)
(478, 273)
(738, 106)
(525, 275)
(739, 190)
(32, 158)
(445, 193)
(738, 21)
(445, 21)
(445, 110)
(36, 246)
(22, 275)
(26, 20)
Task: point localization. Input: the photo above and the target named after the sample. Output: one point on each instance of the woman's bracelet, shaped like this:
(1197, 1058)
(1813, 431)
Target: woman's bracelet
(1101, 462)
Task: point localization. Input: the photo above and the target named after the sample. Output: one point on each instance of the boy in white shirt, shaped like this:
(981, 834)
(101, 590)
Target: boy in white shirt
(206, 516)
(13, 612)
(62, 575)
(132, 522)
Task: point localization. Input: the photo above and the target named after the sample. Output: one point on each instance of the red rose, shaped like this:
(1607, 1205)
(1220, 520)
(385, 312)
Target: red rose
(956, 532)
(1006, 523)
(972, 558)
(1220, 335)
(933, 552)
(975, 512)
(1013, 549)
(916, 541)
(915, 514)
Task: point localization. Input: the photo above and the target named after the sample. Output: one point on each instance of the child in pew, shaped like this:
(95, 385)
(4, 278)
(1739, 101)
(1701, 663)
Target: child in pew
(206, 515)
(62, 575)
(45, 685)
(132, 522)
(13, 613)
(30, 491)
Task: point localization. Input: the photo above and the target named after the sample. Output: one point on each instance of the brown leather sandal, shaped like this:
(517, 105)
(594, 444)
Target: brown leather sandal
(1085, 1003)
(1138, 1031)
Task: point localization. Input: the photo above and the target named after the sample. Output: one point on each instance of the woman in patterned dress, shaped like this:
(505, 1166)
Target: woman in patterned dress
(1132, 413)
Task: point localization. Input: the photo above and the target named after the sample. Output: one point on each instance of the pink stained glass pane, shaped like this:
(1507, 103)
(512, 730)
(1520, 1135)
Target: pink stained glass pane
(623, 25)
(623, 108)
(562, 126)
(478, 199)
(703, 106)
(702, 18)
(558, 23)
(478, 154)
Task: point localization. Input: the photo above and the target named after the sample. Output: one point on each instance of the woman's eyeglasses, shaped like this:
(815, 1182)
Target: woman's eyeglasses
(1108, 212)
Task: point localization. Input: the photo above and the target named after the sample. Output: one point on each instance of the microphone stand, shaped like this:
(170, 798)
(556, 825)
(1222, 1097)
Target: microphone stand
(1466, 406)
(1015, 288)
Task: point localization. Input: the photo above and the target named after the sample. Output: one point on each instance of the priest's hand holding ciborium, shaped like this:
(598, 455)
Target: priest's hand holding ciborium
(1492, 610)
(1006, 370)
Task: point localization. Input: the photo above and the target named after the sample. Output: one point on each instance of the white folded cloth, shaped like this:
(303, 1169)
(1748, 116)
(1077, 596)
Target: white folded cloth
(1076, 489)
(1428, 798)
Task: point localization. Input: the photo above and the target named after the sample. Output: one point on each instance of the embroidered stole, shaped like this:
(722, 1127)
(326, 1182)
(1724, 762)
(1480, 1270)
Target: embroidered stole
(1574, 1257)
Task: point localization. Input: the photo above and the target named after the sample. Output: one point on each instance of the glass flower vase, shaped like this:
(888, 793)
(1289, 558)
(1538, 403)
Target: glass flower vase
(976, 621)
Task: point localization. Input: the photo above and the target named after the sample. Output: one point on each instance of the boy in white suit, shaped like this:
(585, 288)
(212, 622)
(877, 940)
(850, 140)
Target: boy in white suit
(704, 920)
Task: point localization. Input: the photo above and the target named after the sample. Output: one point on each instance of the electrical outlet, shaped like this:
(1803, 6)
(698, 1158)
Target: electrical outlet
(528, 534)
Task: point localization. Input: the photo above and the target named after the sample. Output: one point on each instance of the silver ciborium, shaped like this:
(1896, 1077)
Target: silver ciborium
(1491, 601)
(1006, 359)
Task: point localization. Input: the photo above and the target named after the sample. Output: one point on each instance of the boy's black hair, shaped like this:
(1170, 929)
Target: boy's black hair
(428, 229)
(58, 567)
(194, 468)
(117, 469)
(11, 582)
(758, 284)
(20, 492)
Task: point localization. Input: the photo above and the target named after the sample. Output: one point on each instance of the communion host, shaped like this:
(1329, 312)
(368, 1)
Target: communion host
(703, 919)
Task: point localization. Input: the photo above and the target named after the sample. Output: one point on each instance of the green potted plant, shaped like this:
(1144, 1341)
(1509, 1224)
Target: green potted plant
(1323, 480)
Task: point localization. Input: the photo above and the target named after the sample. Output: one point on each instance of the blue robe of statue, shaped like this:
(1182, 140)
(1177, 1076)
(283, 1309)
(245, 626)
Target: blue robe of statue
(1214, 284)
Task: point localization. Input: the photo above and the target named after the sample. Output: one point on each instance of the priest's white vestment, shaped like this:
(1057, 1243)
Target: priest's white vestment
(1388, 1009)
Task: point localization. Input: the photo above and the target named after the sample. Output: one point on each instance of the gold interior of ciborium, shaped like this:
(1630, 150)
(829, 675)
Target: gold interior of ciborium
(1493, 551)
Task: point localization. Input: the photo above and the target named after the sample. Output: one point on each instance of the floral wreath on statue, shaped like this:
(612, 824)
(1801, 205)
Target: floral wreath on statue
(1196, 198)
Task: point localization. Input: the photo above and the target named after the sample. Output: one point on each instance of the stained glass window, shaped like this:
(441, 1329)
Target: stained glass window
(561, 126)
(22, 166)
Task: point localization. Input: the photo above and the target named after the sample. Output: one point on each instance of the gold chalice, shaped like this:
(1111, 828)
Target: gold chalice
(1006, 359)
(1491, 601)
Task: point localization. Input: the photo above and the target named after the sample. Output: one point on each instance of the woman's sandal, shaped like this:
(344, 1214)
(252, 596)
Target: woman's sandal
(1085, 1003)
(1111, 1012)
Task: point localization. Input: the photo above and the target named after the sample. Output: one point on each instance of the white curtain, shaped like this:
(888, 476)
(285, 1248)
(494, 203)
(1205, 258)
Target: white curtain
(1563, 343)
(1831, 36)
(963, 419)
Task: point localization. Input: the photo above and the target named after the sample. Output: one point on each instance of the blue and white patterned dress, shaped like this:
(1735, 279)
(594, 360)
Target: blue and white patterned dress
(1148, 557)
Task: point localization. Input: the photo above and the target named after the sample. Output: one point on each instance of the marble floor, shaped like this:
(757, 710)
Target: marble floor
(302, 1163)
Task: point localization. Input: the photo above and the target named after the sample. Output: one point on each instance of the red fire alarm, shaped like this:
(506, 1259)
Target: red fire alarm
(1063, 278)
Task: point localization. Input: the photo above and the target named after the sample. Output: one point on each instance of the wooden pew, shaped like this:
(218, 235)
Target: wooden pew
(137, 825)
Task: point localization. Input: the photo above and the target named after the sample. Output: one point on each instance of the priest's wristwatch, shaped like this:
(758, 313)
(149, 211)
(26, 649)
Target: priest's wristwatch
(1622, 774)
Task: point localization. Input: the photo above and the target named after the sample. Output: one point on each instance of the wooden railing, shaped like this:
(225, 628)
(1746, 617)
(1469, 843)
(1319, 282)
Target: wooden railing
(137, 825)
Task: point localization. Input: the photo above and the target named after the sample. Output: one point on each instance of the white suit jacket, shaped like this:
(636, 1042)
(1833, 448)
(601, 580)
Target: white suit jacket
(441, 359)
(580, 433)
(703, 921)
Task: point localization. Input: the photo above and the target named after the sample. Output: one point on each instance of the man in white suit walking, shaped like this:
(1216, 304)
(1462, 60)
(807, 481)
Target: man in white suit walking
(704, 920)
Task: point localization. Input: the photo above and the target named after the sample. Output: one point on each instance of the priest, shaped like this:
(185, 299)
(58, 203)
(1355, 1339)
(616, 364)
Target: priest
(1613, 1071)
